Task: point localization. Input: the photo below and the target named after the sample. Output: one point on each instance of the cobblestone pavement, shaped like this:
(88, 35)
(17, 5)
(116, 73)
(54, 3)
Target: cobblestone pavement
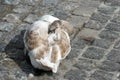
(95, 53)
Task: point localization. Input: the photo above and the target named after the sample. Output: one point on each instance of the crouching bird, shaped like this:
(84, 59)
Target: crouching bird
(47, 42)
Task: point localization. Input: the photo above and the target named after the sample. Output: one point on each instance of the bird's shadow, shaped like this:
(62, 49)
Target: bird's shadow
(15, 51)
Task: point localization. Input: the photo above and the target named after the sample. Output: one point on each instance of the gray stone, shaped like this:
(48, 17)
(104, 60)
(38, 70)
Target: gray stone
(113, 26)
(12, 18)
(102, 43)
(117, 45)
(2, 47)
(11, 2)
(67, 6)
(94, 53)
(106, 9)
(109, 66)
(85, 64)
(83, 11)
(75, 75)
(50, 2)
(113, 3)
(109, 35)
(22, 9)
(93, 25)
(61, 14)
(31, 18)
(101, 75)
(4, 26)
(30, 2)
(114, 56)
(116, 19)
(78, 43)
(77, 21)
(5, 9)
(88, 34)
(100, 17)
(86, 8)
(74, 53)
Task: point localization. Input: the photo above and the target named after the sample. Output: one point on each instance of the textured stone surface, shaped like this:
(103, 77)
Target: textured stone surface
(109, 35)
(94, 53)
(116, 19)
(93, 25)
(101, 75)
(110, 66)
(75, 75)
(22, 9)
(11, 2)
(117, 45)
(86, 33)
(85, 64)
(113, 26)
(100, 17)
(113, 3)
(114, 55)
(4, 26)
(102, 43)
(31, 18)
(108, 10)
(77, 21)
(74, 53)
(12, 18)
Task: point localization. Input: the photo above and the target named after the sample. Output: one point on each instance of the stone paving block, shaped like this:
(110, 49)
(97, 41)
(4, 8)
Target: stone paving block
(77, 21)
(67, 6)
(113, 2)
(22, 9)
(108, 10)
(75, 75)
(31, 18)
(102, 43)
(78, 43)
(93, 25)
(101, 75)
(30, 2)
(10, 2)
(86, 8)
(87, 34)
(109, 35)
(85, 64)
(117, 45)
(113, 27)
(4, 26)
(61, 14)
(116, 19)
(83, 11)
(94, 53)
(102, 18)
(74, 53)
(109, 66)
(114, 56)
(15, 18)
(50, 2)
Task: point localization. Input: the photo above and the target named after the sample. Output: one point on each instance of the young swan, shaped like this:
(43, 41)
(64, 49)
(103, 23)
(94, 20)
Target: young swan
(36, 43)
(59, 42)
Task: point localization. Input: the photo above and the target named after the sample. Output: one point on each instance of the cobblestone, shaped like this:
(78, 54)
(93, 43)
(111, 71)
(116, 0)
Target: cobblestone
(93, 53)
(101, 75)
(95, 41)
(113, 26)
(114, 55)
(109, 35)
(93, 25)
(102, 43)
(100, 17)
